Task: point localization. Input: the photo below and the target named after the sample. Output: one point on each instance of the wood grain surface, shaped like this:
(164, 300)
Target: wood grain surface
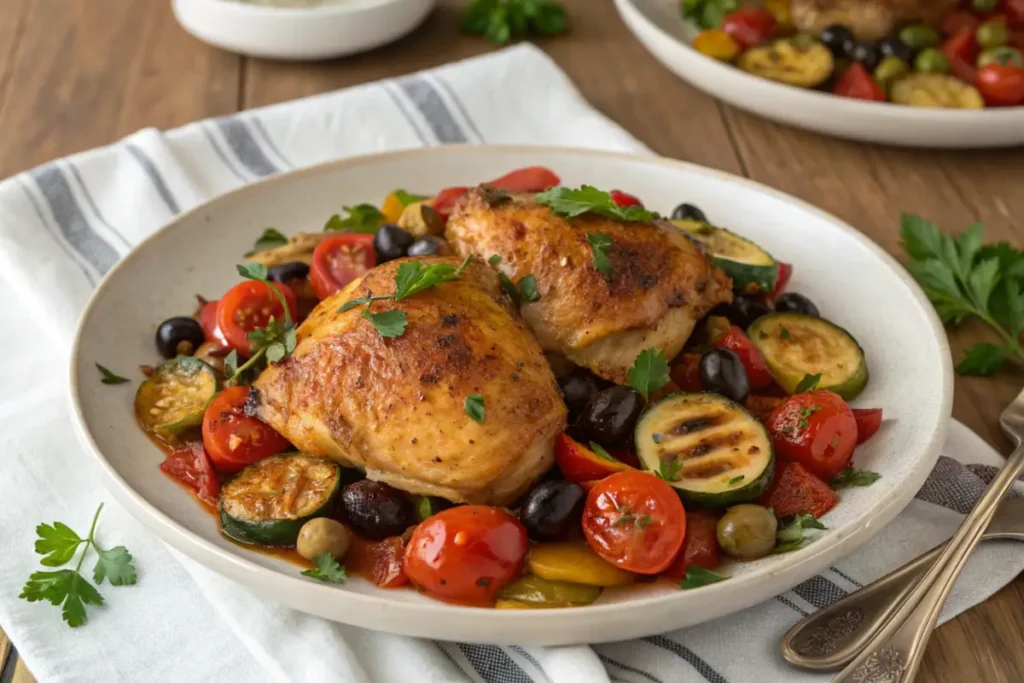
(75, 75)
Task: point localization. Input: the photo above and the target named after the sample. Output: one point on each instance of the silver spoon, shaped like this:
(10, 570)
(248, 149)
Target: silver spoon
(830, 638)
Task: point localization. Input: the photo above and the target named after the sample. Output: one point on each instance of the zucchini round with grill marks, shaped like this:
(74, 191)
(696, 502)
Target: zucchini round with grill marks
(268, 502)
(710, 449)
(175, 396)
(797, 345)
(751, 268)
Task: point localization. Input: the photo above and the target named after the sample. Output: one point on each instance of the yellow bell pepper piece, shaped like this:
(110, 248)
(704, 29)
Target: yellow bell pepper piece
(575, 563)
(717, 44)
(392, 208)
(515, 604)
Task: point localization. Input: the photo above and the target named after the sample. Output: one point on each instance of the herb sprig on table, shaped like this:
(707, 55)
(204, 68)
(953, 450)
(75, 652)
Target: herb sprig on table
(964, 279)
(502, 20)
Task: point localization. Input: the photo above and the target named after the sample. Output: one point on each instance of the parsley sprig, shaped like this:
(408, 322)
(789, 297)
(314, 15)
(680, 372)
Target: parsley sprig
(502, 20)
(270, 239)
(364, 218)
(697, 576)
(275, 341)
(327, 569)
(668, 470)
(707, 13)
(851, 476)
(649, 372)
(791, 536)
(59, 544)
(109, 377)
(964, 279)
(570, 203)
(600, 243)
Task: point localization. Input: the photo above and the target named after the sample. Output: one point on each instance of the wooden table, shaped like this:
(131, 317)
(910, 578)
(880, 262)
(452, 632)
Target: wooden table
(74, 75)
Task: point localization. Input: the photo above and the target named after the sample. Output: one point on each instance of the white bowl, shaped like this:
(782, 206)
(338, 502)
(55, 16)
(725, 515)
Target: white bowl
(851, 279)
(300, 33)
(660, 27)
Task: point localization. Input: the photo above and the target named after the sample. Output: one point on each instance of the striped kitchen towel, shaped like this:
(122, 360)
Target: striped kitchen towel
(63, 225)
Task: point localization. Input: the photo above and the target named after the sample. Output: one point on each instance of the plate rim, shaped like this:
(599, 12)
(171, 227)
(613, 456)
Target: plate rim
(256, 577)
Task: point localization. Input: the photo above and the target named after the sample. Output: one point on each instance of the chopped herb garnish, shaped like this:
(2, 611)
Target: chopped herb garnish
(736, 480)
(474, 407)
(328, 569)
(791, 536)
(600, 243)
(600, 452)
(697, 576)
(851, 476)
(528, 288)
(649, 372)
(494, 260)
(389, 324)
(509, 288)
(668, 470)
(483, 582)
(570, 203)
(805, 414)
(784, 334)
(644, 522)
(270, 239)
(277, 339)
(407, 198)
(808, 383)
(108, 377)
(364, 218)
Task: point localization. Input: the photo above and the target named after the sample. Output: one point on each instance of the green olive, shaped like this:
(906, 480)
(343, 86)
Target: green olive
(1007, 56)
(890, 70)
(920, 36)
(931, 61)
(992, 34)
(320, 535)
(747, 532)
(984, 5)
(534, 590)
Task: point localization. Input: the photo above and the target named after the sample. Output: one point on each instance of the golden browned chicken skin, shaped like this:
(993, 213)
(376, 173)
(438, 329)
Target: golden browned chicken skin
(867, 19)
(395, 406)
(660, 285)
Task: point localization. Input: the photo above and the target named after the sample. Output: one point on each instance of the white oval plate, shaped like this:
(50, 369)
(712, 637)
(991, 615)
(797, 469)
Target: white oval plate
(661, 29)
(853, 281)
(321, 32)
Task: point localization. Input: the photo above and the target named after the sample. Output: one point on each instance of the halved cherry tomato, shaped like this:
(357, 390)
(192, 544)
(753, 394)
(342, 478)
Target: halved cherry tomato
(785, 273)
(380, 562)
(190, 465)
(466, 554)
(686, 372)
(249, 306)
(578, 463)
(624, 199)
(816, 429)
(339, 260)
(749, 26)
(1002, 85)
(958, 20)
(530, 179)
(635, 521)
(857, 83)
(869, 421)
(233, 439)
(753, 360)
(962, 46)
(207, 316)
(701, 545)
(794, 491)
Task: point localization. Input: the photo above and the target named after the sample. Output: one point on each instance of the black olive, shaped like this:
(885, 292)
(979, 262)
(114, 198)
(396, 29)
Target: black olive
(745, 309)
(376, 511)
(689, 212)
(178, 336)
(610, 416)
(838, 39)
(722, 372)
(577, 389)
(552, 509)
(894, 47)
(286, 272)
(867, 54)
(390, 242)
(791, 302)
(427, 246)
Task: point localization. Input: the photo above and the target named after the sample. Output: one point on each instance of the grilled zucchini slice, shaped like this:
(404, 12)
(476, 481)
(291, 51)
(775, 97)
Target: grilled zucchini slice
(268, 502)
(751, 268)
(796, 345)
(710, 449)
(175, 396)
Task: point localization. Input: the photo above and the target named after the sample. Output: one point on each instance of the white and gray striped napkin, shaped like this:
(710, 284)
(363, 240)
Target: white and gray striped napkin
(63, 225)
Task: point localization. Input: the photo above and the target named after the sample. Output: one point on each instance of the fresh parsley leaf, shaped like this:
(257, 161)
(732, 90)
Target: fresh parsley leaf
(62, 587)
(270, 239)
(494, 260)
(276, 340)
(668, 470)
(697, 576)
(327, 569)
(388, 324)
(808, 383)
(528, 288)
(115, 565)
(406, 198)
(231, 363)
(58, 542)
(600, 243)
(108, 377)
(364, 218)
(474, 407)
(791, 536)
(413, 277)
(983, 359)
(509, 288)
(851, 476)
(568, 202)
(600, 452)
(785, 334)
(737, 479)
(502, 20)
(251, 270)
(649, 372)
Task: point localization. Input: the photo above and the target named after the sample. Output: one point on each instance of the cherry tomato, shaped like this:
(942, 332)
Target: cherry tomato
(208, 321)
(785, 273)
(249, 306)
(466, 554)
(869, 421)
(380, 562)
(530, 179)
(816, 429)
(700, 547)
(625, 199)
(752, 359)
(233, 439)
(857, 83)
(961, 47)
(1001, 85)
(578, 463)
(445, 200)
(339, 260)
(635, 521)
(749, 26)
(958, 20)
(191, 466)
(794, 491)
(686, 372)
(1014, 11)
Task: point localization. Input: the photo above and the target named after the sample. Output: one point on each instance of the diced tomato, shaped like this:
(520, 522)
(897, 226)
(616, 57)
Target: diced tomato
(1002, 85)
(701, 545)
(753, 360)
(578, 463)
(761, 406)
(1014, 11)
(207, 316)
(785, 273)
(869, 421)
(857, 83)
(959, 20)
(232, 438)
(686, 372)
(794, 491)
(962, 46)
(380, 562)
(816, 429)
(749, 26)
(190, 465)
(339, 260)
(248, 306)
(530, 179)
(624, 200)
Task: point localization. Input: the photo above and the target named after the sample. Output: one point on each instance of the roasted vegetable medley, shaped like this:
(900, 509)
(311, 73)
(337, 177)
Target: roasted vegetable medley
(934, 53)
(730, 450)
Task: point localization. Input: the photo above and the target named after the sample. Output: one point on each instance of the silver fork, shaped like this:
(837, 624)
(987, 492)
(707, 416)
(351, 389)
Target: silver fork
(894, 654)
